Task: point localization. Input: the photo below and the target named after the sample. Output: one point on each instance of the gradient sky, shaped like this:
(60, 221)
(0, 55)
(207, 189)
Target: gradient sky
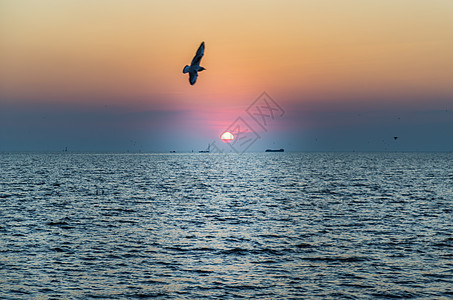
(107, 75)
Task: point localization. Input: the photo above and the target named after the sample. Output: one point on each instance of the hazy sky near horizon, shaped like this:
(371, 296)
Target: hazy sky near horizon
(107, 75)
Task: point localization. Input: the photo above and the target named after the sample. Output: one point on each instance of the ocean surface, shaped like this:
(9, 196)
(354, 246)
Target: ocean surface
(226, 226)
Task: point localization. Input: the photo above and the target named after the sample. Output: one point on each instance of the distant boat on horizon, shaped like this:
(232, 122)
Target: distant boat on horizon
(275, 150)
(207, 150)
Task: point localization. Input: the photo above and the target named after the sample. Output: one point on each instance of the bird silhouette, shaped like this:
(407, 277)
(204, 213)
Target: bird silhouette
(194, 67)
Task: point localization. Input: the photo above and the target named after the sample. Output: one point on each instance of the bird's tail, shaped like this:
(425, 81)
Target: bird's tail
(186, 69)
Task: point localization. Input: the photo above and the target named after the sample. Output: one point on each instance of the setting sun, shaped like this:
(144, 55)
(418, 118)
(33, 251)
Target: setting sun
(227, 137)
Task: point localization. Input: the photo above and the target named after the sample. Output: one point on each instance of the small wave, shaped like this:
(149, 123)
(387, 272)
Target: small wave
(147, 295)
(267, 251)
(235, 251)
(267, 261)
(395, 295)
(176, 248)
(20, 292)
(270, 235)
(58, 249)
(443, 244)
(203, 249)
(199, 271)
(244, 287)
(241, 251)
(436, 275)
(58, 223)
(183, 249)
(358, 285)
(152, 282)
(45, 290)
(337, 258)
(61, 224)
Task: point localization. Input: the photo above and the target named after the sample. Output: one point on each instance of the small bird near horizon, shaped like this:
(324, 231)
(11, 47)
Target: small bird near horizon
(194, 67)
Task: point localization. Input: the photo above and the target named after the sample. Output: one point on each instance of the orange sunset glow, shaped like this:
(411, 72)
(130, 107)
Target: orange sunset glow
(109, 61)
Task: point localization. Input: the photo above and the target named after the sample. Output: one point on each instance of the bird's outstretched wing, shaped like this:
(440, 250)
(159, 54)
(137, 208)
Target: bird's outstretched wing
(197, 58)
(193, 77)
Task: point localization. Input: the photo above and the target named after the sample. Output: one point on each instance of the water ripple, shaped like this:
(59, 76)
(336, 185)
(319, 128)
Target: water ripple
(190, 226)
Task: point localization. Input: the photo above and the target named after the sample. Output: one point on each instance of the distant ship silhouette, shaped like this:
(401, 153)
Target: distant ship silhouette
(272, 150)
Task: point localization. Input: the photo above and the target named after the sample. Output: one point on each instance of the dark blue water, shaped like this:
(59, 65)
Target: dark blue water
(195, 226)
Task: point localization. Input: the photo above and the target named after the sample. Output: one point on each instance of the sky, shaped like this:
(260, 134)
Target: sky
(106, 75)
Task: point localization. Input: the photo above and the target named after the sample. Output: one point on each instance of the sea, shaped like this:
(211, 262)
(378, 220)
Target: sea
(226, 226)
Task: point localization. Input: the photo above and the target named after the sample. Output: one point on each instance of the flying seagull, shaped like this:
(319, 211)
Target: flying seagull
(194, 67)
